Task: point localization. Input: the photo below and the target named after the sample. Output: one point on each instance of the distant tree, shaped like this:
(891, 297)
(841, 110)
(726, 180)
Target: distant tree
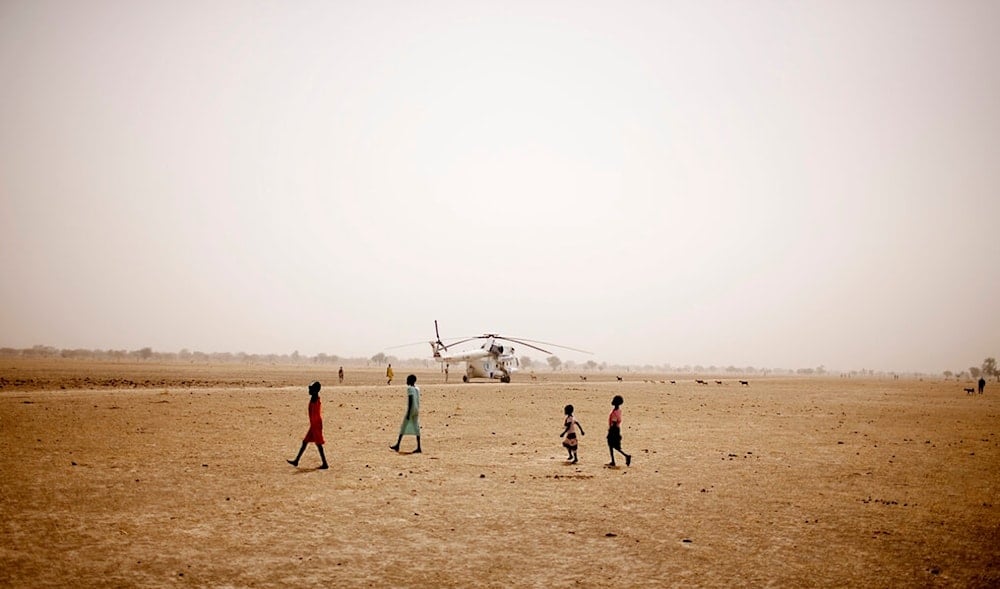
(526, 362)
(144, 353)
(590, 365)
(948, 374)
(39, 350)
(959, 375)
(378, 359)
(990, 368)
(974, 371)
(554, 362)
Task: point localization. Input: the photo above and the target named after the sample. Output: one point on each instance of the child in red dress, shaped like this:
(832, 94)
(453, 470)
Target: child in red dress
(315, 433)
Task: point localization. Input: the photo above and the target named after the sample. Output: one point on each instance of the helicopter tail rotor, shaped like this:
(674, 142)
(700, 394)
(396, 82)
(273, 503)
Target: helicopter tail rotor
(437, 335)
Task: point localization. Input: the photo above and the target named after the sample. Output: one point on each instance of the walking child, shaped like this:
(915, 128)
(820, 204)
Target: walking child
(615, 431)
(315, 433)
(570, 443)
(388, 374)
(411, 421)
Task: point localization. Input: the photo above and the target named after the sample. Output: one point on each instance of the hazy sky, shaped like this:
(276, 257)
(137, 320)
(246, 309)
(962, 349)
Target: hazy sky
(780, 184)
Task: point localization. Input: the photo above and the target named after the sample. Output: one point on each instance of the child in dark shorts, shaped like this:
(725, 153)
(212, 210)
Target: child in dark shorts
(615, 431)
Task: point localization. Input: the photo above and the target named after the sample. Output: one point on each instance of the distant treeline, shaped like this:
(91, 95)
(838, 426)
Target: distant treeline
(182, 356)
(551, 363)
(985, 370)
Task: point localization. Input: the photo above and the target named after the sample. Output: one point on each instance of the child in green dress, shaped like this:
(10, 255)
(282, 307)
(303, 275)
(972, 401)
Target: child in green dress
(411, 421)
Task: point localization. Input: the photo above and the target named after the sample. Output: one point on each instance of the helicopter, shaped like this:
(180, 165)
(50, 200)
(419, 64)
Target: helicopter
(494, 359)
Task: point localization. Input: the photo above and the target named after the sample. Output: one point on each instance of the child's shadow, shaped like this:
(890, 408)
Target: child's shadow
(302, 470)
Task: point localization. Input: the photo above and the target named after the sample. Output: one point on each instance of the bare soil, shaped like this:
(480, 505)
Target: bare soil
(178, 477)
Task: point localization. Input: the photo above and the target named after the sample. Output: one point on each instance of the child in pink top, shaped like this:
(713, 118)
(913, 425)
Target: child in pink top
(615, 431)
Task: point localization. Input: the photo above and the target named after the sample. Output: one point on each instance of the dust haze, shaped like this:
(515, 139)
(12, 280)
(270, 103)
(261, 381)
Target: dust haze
(684, 184)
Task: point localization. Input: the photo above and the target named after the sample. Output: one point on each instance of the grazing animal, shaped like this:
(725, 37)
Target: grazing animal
(744, 383)
(619, 378)
(718, 382)
(582, 377)
(970, 391)
(700, 381)
(673, 382)
(533, 377)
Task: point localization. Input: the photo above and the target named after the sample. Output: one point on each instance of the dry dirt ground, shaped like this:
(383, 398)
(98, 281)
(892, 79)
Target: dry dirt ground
(178, 478)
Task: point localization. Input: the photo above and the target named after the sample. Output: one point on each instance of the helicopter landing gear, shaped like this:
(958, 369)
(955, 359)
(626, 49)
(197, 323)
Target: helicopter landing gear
(505, 378)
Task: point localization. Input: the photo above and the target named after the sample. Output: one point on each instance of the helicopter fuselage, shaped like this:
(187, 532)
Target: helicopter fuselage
(491, 360)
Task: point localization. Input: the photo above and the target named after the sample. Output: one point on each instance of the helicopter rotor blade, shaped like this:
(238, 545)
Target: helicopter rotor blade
(462, 341)
(524, 342)
(424, 343)
(420, 343)
(457, 340)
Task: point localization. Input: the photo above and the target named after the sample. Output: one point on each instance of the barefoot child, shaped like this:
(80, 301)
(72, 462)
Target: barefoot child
(570, 442)
(615, 431)
(411, 421)
(315, 433)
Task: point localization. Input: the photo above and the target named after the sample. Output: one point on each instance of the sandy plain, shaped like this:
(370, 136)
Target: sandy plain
(160, 475)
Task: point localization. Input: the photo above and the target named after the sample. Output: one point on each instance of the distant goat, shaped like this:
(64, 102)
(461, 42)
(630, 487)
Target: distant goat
(699, 381)
(745, 383)
(619, 378)
(718, 382)
(582, 377)
(970, 391)
(673, 382)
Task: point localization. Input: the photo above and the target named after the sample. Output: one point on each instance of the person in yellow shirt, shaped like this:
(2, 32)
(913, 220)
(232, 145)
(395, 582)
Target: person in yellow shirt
(388, 374)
